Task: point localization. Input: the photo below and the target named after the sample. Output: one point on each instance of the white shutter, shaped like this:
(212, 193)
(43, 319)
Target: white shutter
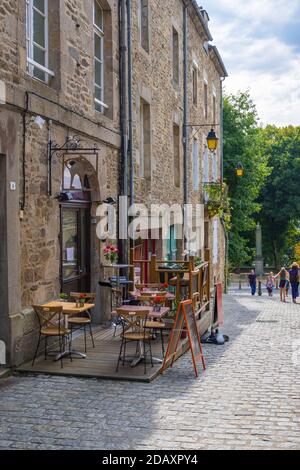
(195, 165)
(215, 241)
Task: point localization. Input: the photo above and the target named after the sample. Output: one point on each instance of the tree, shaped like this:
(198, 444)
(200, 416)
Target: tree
(280, 197)
(242, 144)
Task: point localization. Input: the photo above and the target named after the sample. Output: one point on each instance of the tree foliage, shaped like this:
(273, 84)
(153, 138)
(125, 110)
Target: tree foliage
(280, 196)
(242, 144)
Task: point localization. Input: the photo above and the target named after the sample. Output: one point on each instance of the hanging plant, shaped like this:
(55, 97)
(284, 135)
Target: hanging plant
(218, 203)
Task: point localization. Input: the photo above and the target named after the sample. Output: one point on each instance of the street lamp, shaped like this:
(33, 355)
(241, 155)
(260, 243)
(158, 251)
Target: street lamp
(239, 170)
(212, 141)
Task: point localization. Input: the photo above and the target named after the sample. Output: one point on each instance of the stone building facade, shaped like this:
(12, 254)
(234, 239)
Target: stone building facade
(59, 84)
(158, 91)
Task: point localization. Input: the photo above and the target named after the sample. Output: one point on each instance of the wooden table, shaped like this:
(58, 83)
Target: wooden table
(70, 309)
(151, 293)
(153, 315)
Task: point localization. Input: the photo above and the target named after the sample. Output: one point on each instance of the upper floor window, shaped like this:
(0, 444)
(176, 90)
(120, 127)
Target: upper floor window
(195, 165)
(145, 142)
(205, 99)
(176, 152)
(99, 57)
(175, 47)
(143, 18)
(37, 39)
(195, 83)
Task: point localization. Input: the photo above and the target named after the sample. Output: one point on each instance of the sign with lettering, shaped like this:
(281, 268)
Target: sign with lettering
(185, 317)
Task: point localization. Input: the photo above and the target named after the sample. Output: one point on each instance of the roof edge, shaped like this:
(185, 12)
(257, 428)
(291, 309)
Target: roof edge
(215, 51)
(196, 9)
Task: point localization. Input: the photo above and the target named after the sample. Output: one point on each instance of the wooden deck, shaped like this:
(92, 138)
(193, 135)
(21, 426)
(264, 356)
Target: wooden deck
(100, 362)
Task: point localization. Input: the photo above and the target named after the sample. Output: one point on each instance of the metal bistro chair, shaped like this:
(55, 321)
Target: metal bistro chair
(84, 319)
(51, 325)
(134, 330)
(156, 326)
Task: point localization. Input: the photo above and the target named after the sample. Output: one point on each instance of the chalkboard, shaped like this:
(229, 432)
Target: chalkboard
(193, 334)
(218, 305)
(185, 316)
(174, 339)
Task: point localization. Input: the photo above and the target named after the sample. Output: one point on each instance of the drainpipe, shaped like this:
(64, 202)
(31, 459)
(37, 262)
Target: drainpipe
(123, 123)
(130, 127)
(222, 131)
(185, 106)
(23, 200)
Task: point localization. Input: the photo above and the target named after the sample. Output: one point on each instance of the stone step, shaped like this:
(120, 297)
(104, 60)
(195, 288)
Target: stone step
(5, 372)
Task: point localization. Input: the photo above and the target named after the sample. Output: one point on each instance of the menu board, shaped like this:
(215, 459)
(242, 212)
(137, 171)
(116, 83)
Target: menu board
(174, 339)
(218, 305)
(185, 317)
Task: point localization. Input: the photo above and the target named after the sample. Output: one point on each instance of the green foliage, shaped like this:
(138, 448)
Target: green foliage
(280, 197)
(218, 202)
(243, 144)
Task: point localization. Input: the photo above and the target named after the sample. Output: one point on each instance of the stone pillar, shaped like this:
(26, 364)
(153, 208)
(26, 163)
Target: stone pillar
(259, 261)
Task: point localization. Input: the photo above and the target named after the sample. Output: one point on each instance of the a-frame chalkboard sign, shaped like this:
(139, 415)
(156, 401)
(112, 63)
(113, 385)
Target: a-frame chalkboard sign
(185, 318)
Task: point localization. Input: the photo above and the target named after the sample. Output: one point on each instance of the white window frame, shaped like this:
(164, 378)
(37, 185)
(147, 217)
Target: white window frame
(215, 241)
(195, 152)
(142, 144)
(30, 42)
(100, 33)
(205, 165)
(205, 97)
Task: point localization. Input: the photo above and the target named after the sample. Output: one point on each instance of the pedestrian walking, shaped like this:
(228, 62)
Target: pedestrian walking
(252, 281)
(287, 288)
(270, 284)
(283, 277)
(294, 281)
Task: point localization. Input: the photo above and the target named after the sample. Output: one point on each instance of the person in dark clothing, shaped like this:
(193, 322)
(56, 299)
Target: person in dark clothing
(252, 282)
(294, 281)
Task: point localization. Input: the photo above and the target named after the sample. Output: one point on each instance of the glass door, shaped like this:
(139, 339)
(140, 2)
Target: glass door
(75, 265)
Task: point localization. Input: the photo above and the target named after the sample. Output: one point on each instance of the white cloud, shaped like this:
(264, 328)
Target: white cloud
(251, 38)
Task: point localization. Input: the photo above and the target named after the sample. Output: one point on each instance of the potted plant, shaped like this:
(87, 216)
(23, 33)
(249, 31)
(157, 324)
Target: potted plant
(63, 297)
(158, 302)
(80, 301)
(111, 254)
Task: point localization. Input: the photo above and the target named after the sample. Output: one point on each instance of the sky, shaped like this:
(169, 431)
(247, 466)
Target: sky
(259, 41)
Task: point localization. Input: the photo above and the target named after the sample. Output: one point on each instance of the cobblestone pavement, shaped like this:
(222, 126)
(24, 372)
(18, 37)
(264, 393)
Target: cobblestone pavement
(249, 397)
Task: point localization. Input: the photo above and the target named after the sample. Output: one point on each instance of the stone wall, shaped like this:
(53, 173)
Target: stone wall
(66, 107)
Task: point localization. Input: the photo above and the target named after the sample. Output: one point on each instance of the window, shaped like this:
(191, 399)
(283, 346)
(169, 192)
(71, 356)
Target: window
(37, 40)
(215, 241)
(205, 99)
(143, 18)
(145, 144)
(175, 47)
(195, 165)
(214, 108)
(214, 167)
(205, 165)
(98, 57)
(172, 244)
(195, 84)
(176, 150)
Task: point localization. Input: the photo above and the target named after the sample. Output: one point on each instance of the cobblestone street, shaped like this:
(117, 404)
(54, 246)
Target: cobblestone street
(249, 397)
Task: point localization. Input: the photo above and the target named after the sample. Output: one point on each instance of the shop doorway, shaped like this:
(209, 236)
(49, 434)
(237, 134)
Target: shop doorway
(75, 247)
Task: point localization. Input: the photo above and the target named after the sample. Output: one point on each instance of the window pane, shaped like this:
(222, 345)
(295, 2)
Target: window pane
(98, 73)
(39, 4)
(38, 28)
(98, 46)
(98, 93)
(98, 16)
(38, 55)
